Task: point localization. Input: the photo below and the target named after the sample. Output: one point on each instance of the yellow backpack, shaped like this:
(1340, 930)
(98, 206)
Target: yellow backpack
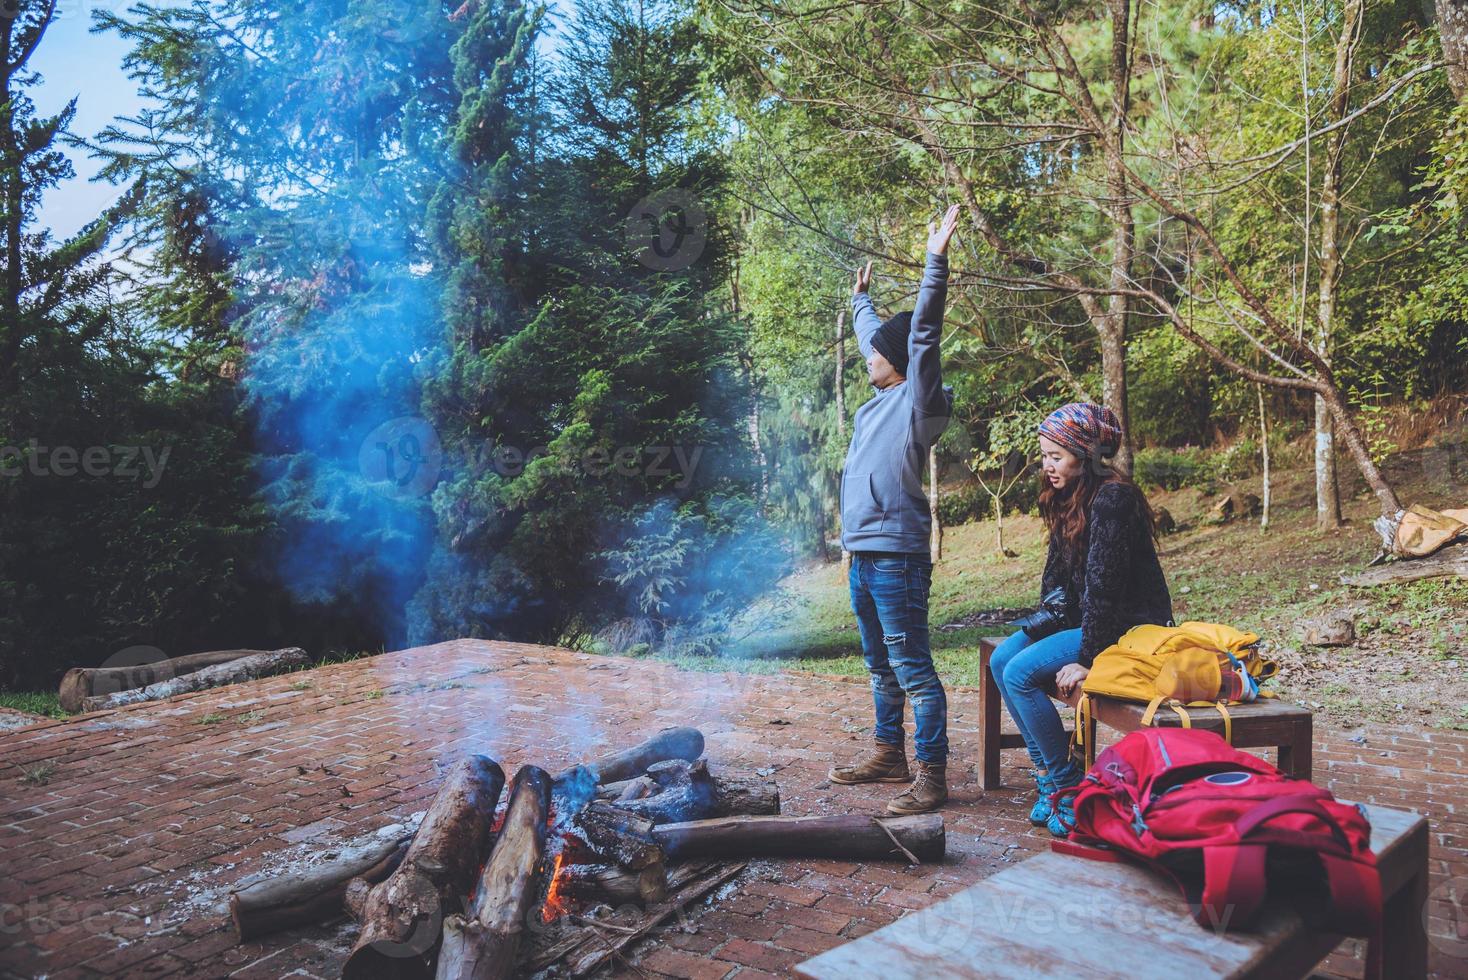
(1192, 665)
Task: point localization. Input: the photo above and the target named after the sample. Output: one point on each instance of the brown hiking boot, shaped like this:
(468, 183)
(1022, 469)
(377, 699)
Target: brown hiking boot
(885, 764)
(928, 791)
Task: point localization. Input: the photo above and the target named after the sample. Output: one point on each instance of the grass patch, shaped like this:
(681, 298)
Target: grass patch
(300, 685)
(44, 703)
(39, 774)
(212, 718)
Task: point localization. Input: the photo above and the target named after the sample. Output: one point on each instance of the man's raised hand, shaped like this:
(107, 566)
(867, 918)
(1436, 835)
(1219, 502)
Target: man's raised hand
(863, 280)
(938, 235)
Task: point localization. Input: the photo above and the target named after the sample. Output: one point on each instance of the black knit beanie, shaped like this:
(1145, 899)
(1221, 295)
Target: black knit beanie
(890, 340)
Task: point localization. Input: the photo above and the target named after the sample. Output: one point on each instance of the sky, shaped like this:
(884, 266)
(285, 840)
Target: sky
(75, 63)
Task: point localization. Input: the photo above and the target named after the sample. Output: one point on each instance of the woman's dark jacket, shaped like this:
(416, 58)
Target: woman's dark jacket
(1119, 584)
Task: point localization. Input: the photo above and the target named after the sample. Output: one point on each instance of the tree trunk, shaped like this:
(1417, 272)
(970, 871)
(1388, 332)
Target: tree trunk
(1113, 327)
(1264, 490)
(1452, 25)
(484, 944)
(846, 837)
(403, 917)
(1327, 488)
(234, 672)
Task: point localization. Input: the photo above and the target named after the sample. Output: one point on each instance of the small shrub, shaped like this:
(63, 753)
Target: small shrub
(212, 718)
(1172, 469)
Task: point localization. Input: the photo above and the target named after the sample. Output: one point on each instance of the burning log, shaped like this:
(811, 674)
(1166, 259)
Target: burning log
(594, 883)
(80, 683)
(301, 897)
(848, 836)
(670, 743)
(234, 672)
(484, 944)
(401, 917)
(686, 792)
(616, 836)
(677, 790)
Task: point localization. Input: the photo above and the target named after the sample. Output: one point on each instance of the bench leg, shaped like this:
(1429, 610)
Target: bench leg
(1404, 934)
(989, 707)
(1296, 758)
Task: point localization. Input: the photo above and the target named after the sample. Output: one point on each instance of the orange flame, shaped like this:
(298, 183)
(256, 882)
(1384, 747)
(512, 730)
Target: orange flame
(554, 906)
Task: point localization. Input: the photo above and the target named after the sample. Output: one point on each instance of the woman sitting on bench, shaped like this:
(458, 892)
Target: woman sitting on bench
(1101, 578)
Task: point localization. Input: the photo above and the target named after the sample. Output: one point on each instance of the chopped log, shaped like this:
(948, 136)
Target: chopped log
(848, 836)
(670, 743)
(314, 894)
(1451, 562)
(244, 669)
(735, 796)
(402, 917)
(616, 837)
(613, 885)
(81, 683)
(484, 944)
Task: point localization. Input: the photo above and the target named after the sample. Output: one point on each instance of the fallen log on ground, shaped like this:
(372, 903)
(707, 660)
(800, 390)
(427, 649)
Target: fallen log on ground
(402, 917)
(483, 944)
(850, 836)
(244, 669)
(1451, 562)
(81, 683)
(316, 893)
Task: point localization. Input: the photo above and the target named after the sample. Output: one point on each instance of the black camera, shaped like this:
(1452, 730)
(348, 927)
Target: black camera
(1049, 619)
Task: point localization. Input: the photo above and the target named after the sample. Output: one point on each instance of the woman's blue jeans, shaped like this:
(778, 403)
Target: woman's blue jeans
(1023, 670)
(889, 594)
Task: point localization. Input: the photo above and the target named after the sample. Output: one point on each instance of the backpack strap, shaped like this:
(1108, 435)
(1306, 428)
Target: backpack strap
(1271, 808)
(1234, 885)
(1355, 895)
(1151, 711)
(1228, 723)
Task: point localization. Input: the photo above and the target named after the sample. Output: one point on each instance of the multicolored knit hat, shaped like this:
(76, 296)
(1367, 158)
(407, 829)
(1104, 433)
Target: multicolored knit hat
(1092, 431)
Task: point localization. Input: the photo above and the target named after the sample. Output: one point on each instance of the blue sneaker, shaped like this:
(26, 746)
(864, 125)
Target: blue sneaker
(1063, 814)
(1040, 812)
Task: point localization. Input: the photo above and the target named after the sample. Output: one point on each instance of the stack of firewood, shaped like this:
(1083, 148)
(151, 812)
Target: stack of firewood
(459, 897)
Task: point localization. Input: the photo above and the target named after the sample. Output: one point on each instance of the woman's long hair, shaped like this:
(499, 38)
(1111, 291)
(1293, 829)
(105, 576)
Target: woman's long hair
(1065, 510)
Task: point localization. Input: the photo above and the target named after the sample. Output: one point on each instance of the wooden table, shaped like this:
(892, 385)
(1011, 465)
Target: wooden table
(1056, 915)
(1288, 728)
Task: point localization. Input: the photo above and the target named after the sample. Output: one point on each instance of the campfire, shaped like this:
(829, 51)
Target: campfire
(569, 871)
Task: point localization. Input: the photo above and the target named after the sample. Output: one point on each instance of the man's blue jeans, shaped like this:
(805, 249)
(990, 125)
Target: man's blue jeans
(1023, 670)
(889, 594)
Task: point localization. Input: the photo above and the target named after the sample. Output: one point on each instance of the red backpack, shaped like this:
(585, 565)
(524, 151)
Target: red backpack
(1228, 828)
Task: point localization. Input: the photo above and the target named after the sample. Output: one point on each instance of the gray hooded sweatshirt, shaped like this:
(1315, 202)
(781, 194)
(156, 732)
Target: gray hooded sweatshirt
(883, 507)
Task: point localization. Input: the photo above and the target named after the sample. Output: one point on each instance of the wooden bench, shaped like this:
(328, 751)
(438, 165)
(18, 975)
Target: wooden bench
(1287, 727)
(1056, 915)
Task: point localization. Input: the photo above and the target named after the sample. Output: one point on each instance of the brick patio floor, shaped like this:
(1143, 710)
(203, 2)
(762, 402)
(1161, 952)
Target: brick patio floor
(134, 822)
